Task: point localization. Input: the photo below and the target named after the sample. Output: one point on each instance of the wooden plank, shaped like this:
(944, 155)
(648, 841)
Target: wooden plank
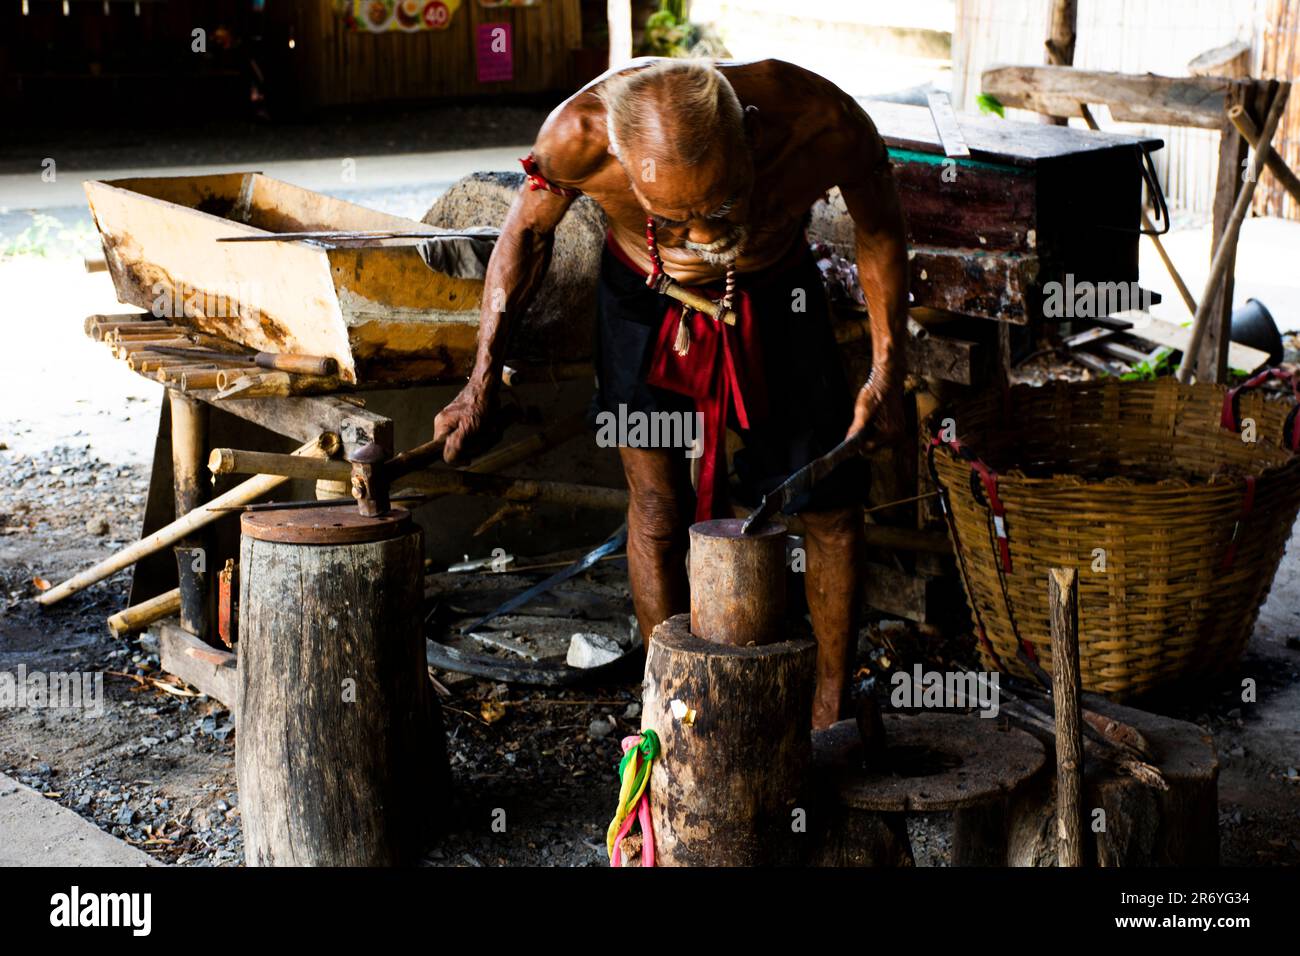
(306, 416)
(1146, 98)
(904, 595)
(992, 139)
(1151, 329)
(208, 669)
(973, 282)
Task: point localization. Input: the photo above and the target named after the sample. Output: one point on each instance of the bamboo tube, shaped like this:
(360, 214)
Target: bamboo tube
(235, 461)
(233, 384)
(199, 379)
(1226, 252)
(163, 330)
(136, 361)
(140, 616)
(699, 303)
(172, 374)
(322, 447)
(98, 327)
(122, 349)
(1275, 163)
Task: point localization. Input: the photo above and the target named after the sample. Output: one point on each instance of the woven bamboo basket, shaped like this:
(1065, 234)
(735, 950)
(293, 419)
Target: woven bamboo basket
(1175, 521)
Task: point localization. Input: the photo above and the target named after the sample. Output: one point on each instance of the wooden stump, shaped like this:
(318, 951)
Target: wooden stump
(1143, 826)
(732, 767)
(737, 582)
(340, 753)
(933, 763)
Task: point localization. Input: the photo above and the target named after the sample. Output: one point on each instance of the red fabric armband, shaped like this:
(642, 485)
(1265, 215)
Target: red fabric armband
(537, 181)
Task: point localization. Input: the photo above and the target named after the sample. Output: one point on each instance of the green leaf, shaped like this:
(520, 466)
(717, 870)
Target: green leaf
(988, 103)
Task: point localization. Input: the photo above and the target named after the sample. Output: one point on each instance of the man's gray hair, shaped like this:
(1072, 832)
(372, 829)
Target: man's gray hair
(672, 111)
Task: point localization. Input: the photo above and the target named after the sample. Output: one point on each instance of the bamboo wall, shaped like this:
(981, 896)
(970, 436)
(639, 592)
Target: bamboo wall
(1131, 36)
(1280, 57)
(339, 66)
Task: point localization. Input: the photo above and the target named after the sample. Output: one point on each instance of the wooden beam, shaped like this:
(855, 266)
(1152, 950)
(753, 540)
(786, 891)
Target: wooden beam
(209, 669)
(1138, 98)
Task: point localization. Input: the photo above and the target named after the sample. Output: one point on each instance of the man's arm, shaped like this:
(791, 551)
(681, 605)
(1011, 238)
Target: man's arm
(515, 271)
(881, 249)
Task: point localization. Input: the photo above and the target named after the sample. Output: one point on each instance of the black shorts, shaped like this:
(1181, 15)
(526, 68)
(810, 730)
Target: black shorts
(810, 402)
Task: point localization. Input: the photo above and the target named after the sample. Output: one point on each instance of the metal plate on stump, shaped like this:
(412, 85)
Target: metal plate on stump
(332, 525)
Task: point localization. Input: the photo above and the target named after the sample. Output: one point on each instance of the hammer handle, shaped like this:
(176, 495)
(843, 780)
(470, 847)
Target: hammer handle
(413, 459)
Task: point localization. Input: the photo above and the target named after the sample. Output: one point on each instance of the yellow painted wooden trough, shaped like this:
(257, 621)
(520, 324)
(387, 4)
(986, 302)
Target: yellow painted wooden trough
(378, 309)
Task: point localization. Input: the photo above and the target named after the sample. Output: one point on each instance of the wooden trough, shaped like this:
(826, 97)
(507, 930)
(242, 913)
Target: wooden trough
(378, 309)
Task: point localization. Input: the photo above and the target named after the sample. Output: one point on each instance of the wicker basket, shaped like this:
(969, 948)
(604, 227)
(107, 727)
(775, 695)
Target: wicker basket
(1154, 479)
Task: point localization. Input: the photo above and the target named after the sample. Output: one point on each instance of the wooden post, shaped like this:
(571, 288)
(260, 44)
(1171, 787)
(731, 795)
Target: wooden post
(619, 15)
(1060, 41)
(737, 582)
(734, 748)
(340, 753)
(1063, 598)
(1207, 352)
(189, 452)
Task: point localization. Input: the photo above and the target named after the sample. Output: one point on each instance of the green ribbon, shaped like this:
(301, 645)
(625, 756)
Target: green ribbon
(648, 748)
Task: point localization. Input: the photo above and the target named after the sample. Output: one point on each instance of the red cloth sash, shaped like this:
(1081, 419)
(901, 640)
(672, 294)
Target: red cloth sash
(722, 371)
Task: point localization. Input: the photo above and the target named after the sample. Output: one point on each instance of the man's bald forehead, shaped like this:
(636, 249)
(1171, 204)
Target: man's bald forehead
(675, 110)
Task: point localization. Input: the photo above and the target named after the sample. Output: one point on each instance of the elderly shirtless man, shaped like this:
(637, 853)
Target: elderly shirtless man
(708, 173)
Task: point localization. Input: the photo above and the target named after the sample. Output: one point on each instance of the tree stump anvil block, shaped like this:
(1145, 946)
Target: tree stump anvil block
(340, 754)
(734, 747)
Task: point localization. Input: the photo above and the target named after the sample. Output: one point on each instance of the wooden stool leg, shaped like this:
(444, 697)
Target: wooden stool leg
(189, 456)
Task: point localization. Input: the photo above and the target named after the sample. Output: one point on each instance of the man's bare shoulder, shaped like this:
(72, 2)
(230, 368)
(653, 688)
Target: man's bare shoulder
(573, 145)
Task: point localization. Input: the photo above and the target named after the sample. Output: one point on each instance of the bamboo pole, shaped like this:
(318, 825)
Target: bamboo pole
(120, 335)
(199, 380)
(1063, 599)
(1227, 249)
(140, 616)
(173, 374)
(99, 327)
(1275, 163)
(321, 447)
(235, 461)
(237, 384)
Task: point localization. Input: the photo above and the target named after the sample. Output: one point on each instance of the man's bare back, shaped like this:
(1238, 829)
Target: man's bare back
(805, 136)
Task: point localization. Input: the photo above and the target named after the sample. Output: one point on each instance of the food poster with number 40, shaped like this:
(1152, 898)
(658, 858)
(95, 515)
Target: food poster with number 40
(410, 16)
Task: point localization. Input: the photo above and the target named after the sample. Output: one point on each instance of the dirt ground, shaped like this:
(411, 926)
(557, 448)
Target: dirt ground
(157, 769)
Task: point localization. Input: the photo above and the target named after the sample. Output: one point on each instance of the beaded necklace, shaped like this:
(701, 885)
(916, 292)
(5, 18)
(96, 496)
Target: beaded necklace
(659, 280)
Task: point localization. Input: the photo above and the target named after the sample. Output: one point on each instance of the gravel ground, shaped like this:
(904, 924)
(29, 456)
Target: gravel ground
(157, 769)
